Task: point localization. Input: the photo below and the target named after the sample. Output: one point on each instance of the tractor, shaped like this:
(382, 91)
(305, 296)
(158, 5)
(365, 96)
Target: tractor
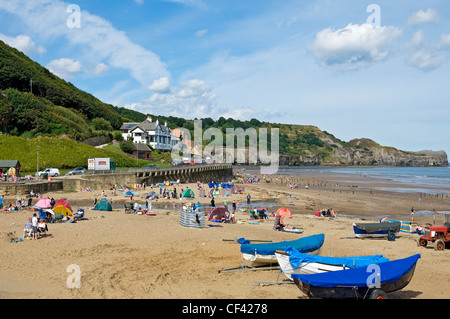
(438, 235)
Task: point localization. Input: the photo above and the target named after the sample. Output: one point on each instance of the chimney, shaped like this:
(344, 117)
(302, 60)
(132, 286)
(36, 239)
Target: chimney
(149, 118)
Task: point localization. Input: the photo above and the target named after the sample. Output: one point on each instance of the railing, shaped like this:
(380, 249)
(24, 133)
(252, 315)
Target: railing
(157, 169)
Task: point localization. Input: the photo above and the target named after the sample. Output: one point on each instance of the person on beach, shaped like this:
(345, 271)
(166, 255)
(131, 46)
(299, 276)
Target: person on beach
(213, 204)
(412, 214)
(248, 199)
(34, 222)
(28, 228)
(278, 223)
(42, 227)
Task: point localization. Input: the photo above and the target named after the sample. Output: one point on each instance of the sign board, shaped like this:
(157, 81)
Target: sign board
(91, 163)
(99, 164)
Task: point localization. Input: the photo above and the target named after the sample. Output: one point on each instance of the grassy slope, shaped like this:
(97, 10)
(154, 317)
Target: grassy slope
(56, 152)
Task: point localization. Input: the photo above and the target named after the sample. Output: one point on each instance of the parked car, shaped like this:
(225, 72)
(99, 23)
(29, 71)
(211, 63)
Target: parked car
(77, 171)
(150, 166)
(52, 172)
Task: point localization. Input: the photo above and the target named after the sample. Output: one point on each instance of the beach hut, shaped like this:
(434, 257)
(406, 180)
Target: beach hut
(188, 193)
(43, 203)
(103, 205)
(219, 213)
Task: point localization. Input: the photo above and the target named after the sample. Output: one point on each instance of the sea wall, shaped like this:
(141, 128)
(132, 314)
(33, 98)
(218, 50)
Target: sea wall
(101, 180)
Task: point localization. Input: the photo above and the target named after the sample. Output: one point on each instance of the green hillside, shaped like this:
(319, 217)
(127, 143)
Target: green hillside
(50, 94)
(56, 152)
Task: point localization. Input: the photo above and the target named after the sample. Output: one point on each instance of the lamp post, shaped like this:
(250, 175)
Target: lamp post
(37, 163)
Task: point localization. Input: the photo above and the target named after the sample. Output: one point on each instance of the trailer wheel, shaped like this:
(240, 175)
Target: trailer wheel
(439, 244)
(378, 294)
(391, 236)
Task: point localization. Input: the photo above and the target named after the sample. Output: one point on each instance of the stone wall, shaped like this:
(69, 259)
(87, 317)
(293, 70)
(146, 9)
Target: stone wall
(202, 173)
(23, 189)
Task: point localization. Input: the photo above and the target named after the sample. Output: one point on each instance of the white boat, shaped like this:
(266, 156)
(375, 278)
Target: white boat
(306, 264)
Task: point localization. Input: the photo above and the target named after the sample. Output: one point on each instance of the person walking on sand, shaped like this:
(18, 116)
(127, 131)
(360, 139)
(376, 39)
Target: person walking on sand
(248, 199)
(412, 214)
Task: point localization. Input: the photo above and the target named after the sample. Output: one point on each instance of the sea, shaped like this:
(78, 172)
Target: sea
(431, 180)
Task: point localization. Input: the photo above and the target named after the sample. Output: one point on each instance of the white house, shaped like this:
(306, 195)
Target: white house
(158, 136)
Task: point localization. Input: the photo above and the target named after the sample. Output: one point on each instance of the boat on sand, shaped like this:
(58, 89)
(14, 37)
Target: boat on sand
(264, 253)
(373, 281)
(292, 261)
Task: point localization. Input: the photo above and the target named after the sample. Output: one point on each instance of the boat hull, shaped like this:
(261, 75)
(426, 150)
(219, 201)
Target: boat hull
(353, 292)
(358, 282)
(260, 254)
(362, 233)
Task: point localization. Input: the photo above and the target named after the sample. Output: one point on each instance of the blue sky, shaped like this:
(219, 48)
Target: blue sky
(380, 73)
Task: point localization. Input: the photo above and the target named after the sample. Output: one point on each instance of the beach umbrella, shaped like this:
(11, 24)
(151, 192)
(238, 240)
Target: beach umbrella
(43, 203)
(152, 194)
(283, 213)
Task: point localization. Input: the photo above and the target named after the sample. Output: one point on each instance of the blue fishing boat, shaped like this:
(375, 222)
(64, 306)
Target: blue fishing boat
(264, 253)
(292, 261)
(373, 281)
(386, 229)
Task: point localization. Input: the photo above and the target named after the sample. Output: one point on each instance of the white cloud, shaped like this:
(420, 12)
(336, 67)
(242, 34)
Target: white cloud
(23, 43)
(428, 16)
(418, 55)
(192, 88)
(101, 68)
(139, 1)
(96, 40)
(354, 46)
(161, 85)
(64, 67)
(424, 61)
(192, 99)
(201, 33)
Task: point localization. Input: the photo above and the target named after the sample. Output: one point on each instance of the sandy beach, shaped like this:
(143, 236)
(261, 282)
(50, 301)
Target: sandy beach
(129, 256)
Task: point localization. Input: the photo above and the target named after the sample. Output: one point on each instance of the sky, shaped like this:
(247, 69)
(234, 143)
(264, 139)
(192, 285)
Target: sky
(373, 69)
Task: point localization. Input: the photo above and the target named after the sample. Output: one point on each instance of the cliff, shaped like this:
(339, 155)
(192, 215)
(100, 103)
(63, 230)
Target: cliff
(368, 152)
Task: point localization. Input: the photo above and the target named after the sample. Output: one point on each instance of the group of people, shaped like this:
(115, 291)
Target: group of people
(18, 205)
(34, 227)
(326, 213)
